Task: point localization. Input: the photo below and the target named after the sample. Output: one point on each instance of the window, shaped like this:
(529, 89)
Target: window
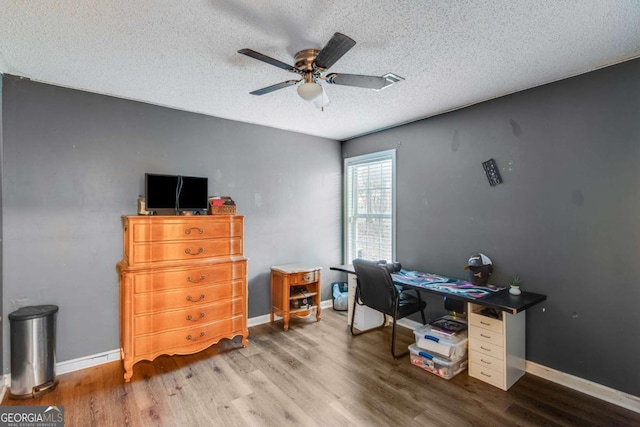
(370, 206)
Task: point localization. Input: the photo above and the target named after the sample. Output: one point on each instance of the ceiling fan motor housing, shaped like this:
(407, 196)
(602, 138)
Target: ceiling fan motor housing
(305, 58)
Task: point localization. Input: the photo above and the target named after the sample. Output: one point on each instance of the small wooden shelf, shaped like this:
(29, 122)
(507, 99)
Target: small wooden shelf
(305, 311)
(291, 284)
(303, 295)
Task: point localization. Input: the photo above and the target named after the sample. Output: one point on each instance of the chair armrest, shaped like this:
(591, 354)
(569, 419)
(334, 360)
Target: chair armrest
(408, 289)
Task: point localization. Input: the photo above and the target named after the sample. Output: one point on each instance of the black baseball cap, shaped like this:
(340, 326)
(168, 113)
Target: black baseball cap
(478, 260)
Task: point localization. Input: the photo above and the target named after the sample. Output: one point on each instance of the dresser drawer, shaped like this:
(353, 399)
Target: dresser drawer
(189, 297)
(487, 375)
(171, 278)
(179, 340)
(188, 317)
(306, 277)
(485, 361)
(180, 251)
(182, 229)
(485, 322)
(487, 348)
(486, 335)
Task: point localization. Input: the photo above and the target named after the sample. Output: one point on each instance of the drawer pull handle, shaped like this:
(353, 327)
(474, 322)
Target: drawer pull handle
(188, 251)
(190, 298)
(486, 375)
(202, 277)
(485, 336)
(306, 278)
(485, 323)
(191, 338)
(485, 349)
(190, 317)
(486, 362)
(188, 230)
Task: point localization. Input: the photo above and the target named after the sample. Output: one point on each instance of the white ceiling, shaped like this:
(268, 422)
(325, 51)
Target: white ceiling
(183, 54)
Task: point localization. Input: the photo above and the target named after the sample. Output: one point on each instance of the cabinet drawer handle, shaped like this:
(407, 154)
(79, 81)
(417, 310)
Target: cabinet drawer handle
(188, 251)
(486, 375)
(190, 298)
(189, 317)
(191, 338)
(188, 230)
(485, 323)
(485, 336)
(306, 278)
(486, 362)
(485, 349)
(202, 277)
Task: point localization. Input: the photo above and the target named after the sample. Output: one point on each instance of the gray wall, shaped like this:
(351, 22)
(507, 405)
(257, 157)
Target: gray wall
(565, 219)
(74, 162)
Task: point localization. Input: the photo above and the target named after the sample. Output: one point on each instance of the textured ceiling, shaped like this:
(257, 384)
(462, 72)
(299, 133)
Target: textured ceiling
(184, 54)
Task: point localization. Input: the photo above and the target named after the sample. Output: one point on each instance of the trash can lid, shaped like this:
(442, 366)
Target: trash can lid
(33, 312)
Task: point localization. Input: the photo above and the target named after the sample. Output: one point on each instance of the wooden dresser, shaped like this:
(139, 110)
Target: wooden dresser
(183, 285)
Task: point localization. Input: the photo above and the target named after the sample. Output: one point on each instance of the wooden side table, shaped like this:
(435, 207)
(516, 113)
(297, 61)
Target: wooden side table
(295, 291)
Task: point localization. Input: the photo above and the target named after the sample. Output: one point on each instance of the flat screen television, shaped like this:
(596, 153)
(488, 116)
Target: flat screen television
(176, 192)
(193, 193)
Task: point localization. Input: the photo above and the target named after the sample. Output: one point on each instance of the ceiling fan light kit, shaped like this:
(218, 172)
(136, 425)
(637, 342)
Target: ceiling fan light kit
(309, 91)
(310, 64)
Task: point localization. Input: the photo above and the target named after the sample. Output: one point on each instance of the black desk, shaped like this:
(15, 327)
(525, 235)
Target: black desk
(497, 347)
(501, 300)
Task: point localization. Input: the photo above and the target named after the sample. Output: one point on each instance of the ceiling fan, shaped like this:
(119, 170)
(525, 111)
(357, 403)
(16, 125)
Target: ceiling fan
(311, 65)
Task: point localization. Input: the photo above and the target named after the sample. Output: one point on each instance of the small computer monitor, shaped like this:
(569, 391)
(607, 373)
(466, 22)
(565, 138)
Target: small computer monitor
(193, 194)
(160, 191)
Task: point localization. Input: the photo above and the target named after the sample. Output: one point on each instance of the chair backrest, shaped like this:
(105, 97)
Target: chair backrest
(375, 286)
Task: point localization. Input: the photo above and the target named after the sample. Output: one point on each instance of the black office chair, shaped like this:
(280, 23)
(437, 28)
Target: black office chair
(376, 290)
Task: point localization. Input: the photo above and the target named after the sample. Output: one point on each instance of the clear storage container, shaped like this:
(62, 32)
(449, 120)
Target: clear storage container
(449, 346)
(441, 366)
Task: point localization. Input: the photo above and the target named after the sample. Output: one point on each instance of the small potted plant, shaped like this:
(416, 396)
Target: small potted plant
(514, 285)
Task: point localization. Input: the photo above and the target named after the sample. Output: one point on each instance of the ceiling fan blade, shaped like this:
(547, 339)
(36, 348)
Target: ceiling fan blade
(357, 80)
(275, 87)
(337, 46)
(269, 60)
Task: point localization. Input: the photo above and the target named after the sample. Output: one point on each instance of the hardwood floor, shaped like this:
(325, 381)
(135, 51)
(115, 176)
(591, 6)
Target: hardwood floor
(315, 374)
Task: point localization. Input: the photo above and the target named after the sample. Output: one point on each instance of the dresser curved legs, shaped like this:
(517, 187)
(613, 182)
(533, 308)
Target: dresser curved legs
(244, 338)
(128, 370)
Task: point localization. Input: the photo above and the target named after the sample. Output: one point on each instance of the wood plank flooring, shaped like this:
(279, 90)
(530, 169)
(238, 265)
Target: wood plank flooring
(315, 374)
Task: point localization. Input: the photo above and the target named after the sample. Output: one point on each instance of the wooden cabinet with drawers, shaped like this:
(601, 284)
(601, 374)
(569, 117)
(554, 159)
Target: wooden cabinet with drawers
(295, 291)
(183, 285)
(496, 346)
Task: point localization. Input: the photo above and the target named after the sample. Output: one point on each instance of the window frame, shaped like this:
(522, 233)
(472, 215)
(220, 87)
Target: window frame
(359, 160)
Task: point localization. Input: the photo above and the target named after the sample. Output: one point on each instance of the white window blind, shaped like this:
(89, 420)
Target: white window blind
(370, 207)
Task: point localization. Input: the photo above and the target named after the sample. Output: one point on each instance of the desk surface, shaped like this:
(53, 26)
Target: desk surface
(461, 290)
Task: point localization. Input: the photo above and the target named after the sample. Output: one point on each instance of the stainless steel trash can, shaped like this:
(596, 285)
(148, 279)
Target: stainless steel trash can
(33, 351)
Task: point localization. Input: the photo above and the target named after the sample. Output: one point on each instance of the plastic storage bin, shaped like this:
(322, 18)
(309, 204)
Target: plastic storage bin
(33, 351)
(441, 366)
(451, 347)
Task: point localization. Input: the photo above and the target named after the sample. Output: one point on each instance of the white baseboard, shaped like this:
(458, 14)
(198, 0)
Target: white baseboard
(87, 362)
(266, 318)
(113, 355)
(5, 385)
(258, 320)
(605, 393)
(584, 386)
(601, 392)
